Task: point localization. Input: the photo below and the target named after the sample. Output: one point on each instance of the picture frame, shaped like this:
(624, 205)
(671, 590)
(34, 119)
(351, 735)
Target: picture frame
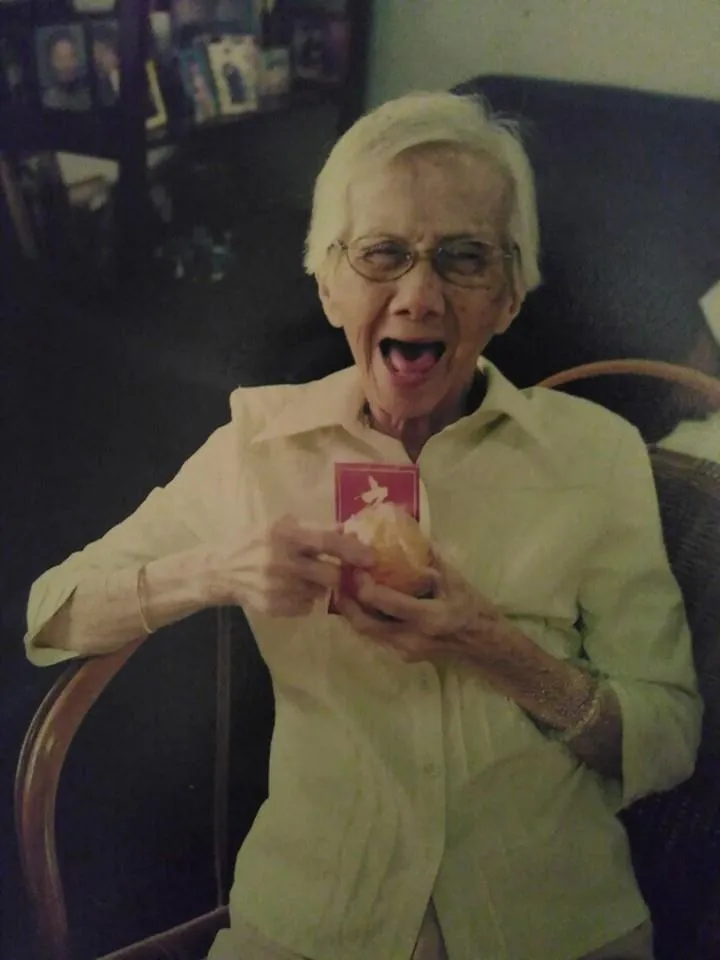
(17, 82)
(105, 47)
(235, 67)
(320, 47)
(157, 112)
(189, 13)
(275, 74)
(198, 83)
(63, 67)
(235, 16)
(162, 38)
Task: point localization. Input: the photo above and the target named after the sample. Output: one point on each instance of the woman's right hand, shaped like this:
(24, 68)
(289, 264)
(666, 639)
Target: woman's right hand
(285, 571)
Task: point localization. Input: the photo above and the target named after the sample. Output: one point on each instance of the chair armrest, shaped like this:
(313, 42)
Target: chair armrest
(189, 941)
(42, 756)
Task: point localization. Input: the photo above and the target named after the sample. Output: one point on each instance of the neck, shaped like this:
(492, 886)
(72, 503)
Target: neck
(415, 432)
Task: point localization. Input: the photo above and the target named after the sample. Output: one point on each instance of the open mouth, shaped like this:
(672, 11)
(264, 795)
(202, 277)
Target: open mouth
(411, 360)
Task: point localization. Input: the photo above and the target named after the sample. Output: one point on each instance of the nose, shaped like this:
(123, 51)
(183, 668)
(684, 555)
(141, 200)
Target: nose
(419, 293)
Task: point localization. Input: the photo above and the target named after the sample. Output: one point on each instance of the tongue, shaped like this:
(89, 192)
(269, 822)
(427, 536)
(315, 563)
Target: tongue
(420, 362)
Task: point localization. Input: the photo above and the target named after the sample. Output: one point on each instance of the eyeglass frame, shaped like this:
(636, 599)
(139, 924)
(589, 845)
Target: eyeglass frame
(430, 255)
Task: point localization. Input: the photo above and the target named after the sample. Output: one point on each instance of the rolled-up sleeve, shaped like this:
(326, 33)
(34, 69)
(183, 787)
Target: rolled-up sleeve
(635, 631)
(194, 507)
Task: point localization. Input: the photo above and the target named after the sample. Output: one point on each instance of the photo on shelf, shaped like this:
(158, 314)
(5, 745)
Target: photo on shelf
(62, 65)
(16, 85)
(275, 75)
(156, 112)
(239, 15)
(162, 38)
(189, 13)
(198, 83)
(106, 60)
(93, 6)
(234, 63)
(320, 46)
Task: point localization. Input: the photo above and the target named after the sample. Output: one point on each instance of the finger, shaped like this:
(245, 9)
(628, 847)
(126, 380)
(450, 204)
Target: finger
(363, 622)
(391, 636)
(342, 546)
(319, 573)
(389, 601)
(436, 580)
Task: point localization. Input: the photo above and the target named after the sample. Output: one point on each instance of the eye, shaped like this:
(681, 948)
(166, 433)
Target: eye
(383, 254)
(467, 257)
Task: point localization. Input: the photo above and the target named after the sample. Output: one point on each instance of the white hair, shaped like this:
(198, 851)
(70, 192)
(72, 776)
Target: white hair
(411, 122)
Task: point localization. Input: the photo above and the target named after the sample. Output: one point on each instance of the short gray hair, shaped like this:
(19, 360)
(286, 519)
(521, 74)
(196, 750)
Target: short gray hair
(411, 122)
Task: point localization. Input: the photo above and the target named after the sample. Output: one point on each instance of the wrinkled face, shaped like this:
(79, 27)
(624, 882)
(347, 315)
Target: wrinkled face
(421, 200)
(64, 60)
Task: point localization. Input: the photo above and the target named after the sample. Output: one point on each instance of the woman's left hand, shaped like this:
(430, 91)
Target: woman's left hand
(456, 622)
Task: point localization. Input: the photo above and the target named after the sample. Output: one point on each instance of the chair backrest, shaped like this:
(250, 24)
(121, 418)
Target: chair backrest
(628, 193)
(675, 836)
(686, 378)
(652, 394)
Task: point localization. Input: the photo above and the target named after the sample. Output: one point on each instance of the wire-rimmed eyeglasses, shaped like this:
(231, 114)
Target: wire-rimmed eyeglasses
(463, 261)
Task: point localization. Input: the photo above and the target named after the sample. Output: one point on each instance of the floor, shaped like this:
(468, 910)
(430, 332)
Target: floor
(104, 401)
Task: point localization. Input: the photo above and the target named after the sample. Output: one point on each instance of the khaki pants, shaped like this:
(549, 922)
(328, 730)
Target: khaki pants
(636, 945)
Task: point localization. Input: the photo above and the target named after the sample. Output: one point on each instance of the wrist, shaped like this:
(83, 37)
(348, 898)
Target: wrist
(554, 692)
(588, 714)
(177, 586)
(215, 588)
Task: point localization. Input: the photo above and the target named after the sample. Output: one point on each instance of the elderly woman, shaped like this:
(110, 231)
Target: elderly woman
(445, 772)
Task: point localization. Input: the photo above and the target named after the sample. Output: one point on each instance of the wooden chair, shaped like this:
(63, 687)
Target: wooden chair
(39, 768)
(693, 381)
(675, 836)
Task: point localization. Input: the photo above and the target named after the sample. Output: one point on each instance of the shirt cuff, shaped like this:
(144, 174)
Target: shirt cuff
(660, 736)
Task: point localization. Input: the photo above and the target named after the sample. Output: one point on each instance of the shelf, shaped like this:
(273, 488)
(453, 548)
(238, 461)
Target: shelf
(98, 133)
(30, 129)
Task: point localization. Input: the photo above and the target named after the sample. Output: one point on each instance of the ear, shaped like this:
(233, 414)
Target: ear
(329, 303)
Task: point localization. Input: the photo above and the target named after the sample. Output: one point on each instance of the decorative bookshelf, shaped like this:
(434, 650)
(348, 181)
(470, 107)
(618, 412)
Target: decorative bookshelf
(119, 131)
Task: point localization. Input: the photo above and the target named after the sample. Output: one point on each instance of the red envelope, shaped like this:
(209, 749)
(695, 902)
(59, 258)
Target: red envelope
(357, 485)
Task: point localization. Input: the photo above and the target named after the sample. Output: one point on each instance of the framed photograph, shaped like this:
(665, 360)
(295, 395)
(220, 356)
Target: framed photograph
(190, 13)
(16, 81)
(198, 83)
(275, 74)
(157, 114)
(62, 65)
(320, 45)
(234, 63)
(162, 38)
(240, 16)
(106, 60)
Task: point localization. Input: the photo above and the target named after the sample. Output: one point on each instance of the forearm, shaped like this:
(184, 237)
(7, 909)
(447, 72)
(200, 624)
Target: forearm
(104, 612)
(556, 694)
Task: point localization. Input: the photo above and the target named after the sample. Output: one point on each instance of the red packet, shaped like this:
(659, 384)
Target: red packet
(359, 484)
